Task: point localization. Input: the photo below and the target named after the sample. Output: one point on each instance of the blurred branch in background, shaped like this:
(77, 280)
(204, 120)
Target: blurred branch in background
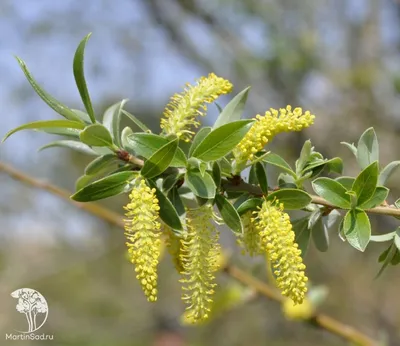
(318, 320)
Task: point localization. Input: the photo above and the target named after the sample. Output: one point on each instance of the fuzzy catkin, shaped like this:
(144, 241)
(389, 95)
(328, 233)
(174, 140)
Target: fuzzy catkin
(142, 232)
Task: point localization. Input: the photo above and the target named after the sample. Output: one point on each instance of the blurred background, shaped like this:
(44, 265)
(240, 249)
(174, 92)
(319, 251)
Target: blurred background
(338, 58)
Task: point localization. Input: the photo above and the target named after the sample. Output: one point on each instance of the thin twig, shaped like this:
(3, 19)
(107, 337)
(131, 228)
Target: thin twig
(319, 320)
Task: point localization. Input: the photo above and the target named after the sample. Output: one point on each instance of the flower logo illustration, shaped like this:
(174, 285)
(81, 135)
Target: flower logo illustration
(33, 305)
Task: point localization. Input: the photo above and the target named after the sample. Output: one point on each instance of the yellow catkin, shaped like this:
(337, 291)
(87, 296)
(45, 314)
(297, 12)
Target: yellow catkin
(200, 253)
(267, 126)
(180, 114)
(250, 239)
(277, 238)
(142, 231)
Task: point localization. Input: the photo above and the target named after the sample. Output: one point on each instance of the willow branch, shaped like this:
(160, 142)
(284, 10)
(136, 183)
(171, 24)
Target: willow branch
(256, 191)
(321, 321)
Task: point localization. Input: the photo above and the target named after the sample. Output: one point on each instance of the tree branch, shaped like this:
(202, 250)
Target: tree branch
(321, 321)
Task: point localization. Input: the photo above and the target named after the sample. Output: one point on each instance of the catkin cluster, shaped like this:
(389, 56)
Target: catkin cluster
(180, 114)
(268, 126)
(142, 232)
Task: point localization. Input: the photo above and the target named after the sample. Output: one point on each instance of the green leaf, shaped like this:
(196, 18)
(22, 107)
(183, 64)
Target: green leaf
(79, 75)
(169, 182)
(291, 198)
(196, 163)
(83, 181)
(262, 177)
(229, 214)
(51, 101)
(347, 182)
(332, 191)
(99, 163)
(160, 160)
(357, 229)
(368, 148)
(176, 200)
(222, 140)
(82, 115)
(302, 234)
(201, 186)
(126, 132)
(365, 184)
(136, 121)
(304, 156)
(111, 185)
(167, 211)
(386, 257)
(383, 237)
(250, 204)
(320, 236)
(286, 181)
(43, 124)
(216, 173)
(146, 144)
(276, 160)
(112, 120)
(75, 145)
(352, 147)
(73, 133)
(334, 165)
(387, 172)
(233, 110)
(96, 135)
(226, 167)
(203, 132)
(378, 198)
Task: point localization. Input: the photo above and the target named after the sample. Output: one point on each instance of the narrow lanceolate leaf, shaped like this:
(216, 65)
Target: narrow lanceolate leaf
(222, 140)
(112, 120)
(262, 177)
(357, 229)
(302, 234)
(387, 257)
(383, 237)
(43, 124)
(96, 135)
(365, 184)
(79, 75)
(332, 191)
(100, 163)
(51, 101)
(83, 181)
(111, 185)
(277, 161)
(377, 199)
(233, 110)
(160, 160)
(351, 146)
(73, 133)
(249, 204)
(291, 198)
(146, 144)
(387, 172)
(201, 186)
(368, 148)
(126, 132)
(216, 173)
(176, 201)
(320, 236)
(75, 145)
(136, 121)
(167, 211)
(82, 115)
(203, 132)
(229, 214)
